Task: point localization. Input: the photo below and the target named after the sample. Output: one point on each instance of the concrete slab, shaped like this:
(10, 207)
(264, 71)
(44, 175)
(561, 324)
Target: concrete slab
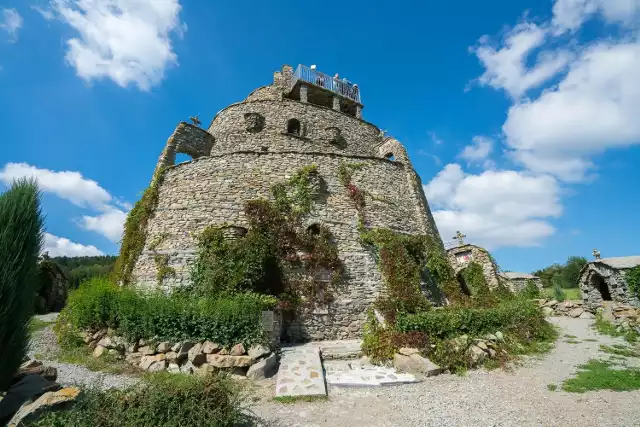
(300, 373)
(369, 377)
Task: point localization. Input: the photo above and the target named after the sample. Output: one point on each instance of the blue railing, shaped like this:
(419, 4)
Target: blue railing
(341, 87)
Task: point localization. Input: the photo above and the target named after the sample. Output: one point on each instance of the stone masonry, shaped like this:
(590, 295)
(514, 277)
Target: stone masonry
(461, 256)
(263, 140)
(604, 280)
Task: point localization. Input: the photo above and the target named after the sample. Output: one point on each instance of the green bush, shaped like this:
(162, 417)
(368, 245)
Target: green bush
(226, 321)
(20, 244)
(451, 321)
(530, 290)
(161, 401)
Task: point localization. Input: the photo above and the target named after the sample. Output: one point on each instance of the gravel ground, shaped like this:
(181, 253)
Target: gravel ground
(497, 398)
(45, 345)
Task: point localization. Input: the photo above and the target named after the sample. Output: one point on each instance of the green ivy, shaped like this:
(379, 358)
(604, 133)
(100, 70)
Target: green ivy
(633, 280)
(135, 230)
(473, 276)
(162, 267)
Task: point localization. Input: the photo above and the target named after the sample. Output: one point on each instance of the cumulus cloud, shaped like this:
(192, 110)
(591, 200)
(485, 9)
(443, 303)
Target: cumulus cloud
(11, 22)
(80, 191)
(569, 15)
(59, 246)
(127, 41)
(495, 208)
(478, 152)
(109, 224)
(505, 65)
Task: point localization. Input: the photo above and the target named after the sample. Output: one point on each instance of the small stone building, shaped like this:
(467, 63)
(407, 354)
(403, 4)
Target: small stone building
(604, 280)
(304, 117)
(517, 281)
(461, 256)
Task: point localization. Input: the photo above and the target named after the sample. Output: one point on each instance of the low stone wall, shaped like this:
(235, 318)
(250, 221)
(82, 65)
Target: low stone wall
(188, 357)
(565, 308)
(624, 316)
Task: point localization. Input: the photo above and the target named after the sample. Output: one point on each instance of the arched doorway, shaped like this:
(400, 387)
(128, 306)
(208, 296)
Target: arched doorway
(597, 281)
(463, 284)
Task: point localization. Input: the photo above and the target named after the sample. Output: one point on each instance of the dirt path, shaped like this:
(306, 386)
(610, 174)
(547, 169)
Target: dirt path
(481, 398)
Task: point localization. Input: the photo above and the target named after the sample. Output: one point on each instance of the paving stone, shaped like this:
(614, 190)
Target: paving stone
(300, 373)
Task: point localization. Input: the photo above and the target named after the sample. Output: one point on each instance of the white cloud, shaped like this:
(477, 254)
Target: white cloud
(59, 246)
(68, 185)
(109, 224)
(478, 151)
(495, 208)
(571, 14)
(593, 108)
(127, 41)
(506, 65)
(11, 22)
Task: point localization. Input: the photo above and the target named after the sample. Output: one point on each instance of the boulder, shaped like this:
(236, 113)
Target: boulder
(183, 350)
(187, 368)
(460, 343)
(406, 351)
(576, 312)
(146, 362)
(98, 334)
(176, 347)
(164, 347)
(491, 337)
(257, 351)
(209, 347)
(48, 401)
(415, 363)
(237, 350)
(499, 336)
(587, 315)
(196, 356)
(33, 367)
(100, 351)
(476, 355)
(158, 366)
(28, 388)
(205, 369)
(492, 353)
(224, 352)
(134, 358)
(547, 311)
(172, 357)
(86, 337)
(482, 345)
(106, 342)
(147, 350)
(265, 368)
(222, 361)
(174, 368)
(607, 314)
(551, 303)
(111, 332)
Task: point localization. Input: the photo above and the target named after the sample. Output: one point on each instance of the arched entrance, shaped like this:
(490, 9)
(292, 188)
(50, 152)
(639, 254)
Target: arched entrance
(463, 284)
(597, 281)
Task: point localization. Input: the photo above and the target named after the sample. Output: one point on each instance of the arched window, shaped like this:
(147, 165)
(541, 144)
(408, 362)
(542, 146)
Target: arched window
(390, 156)
(293, 127)
(313, 229)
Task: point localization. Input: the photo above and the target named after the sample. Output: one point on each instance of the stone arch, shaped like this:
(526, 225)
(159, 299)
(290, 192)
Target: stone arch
(600, 284)
(233, 232)
(313, 229)
(294, 127)
(393, 150)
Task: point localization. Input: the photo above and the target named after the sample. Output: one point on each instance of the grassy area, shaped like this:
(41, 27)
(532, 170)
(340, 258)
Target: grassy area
(106, 363)
(296, 399)
(552, 387)
(36, 325)
(161, 400)
(620, 350)
(571, 294)
(599, 375)
(607, 328)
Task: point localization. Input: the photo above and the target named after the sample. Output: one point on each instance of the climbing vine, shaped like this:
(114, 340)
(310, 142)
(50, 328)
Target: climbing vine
(277, 256)
(357, 196)
(162, 268)
(135, 230)
(473, 276)
(633, 280)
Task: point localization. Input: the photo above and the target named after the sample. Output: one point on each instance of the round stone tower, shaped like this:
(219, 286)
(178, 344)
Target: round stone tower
(304, 117)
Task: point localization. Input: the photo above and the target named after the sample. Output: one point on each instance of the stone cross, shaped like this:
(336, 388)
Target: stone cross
(195, 120)
(596, 253)
(460, 237)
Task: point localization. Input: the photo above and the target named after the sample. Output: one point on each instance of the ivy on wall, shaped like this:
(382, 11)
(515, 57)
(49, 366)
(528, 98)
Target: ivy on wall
(633, 280)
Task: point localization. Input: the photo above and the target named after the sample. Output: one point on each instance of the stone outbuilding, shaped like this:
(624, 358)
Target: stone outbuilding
(461, 256)
(517, 281)
(604, 280)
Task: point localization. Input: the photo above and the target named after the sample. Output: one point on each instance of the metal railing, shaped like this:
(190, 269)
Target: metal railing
(450, 244)
(341, 87)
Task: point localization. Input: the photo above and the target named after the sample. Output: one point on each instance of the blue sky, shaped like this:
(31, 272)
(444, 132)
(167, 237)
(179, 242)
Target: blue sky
(521, 117)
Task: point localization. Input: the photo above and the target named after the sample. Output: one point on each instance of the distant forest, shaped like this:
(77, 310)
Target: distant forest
(81, 268)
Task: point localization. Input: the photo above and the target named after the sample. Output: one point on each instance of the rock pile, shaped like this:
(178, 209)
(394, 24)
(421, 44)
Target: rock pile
(187, 357)
(573, 309)
(625, 317)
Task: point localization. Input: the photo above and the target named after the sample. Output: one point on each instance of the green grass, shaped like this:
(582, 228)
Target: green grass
(598, 375)
(552, 387)
(571, 294)
(607, 328)
(620, 350)
(36, 325)
(570, 336)
(591, 340)
(106, 363)
(572, 342)
(295, 399)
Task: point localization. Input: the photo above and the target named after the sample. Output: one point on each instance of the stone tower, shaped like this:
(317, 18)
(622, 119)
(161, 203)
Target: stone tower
(304, 117)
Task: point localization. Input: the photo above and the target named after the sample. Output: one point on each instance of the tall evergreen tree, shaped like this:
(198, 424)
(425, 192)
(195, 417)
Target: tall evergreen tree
(20, 245)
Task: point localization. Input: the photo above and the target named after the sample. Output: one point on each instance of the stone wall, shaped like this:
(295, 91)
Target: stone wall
(613, 278)
(461, 256)
(516, 284)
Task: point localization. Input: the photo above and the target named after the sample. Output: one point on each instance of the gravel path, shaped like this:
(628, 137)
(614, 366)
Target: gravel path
(45, 345)
(497, 398)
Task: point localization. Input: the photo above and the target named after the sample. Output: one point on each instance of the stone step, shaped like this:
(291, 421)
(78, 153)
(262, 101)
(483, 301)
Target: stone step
(361, 373)
(340, 350)
(301, 373)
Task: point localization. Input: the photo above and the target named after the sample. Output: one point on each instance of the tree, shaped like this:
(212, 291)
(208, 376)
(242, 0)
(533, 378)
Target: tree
(20, 244)
(571, 271)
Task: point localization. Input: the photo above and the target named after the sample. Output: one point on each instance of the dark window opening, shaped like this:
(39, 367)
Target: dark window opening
(293, 127)
(390, 156)
(598, 282)
(313, 229)
(463, 284)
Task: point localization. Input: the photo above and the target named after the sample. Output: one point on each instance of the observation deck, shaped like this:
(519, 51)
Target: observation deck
(312, 86)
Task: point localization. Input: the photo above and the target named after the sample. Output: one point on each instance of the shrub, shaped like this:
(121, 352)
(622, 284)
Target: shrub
(20, 244)
(451, 321)
(530, 290)
(163, 400)
(558, 293)
(226, 321)
(632, 278)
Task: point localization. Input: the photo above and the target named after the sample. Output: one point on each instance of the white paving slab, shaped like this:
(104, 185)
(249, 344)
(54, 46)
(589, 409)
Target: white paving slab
(369, 377)
(300, 373)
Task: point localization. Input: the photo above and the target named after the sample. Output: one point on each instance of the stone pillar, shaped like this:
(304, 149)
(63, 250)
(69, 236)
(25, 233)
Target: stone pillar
(304, 90)
(358, 111)
(336, 103)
